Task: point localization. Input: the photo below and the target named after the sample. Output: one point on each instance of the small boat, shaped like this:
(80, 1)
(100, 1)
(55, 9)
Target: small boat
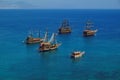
(49, 45)
(65, 28)
(77, 54)
(88, 31)
(31, 40)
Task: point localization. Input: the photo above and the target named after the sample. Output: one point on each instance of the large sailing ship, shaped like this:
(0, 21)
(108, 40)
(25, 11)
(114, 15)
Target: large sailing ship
(48, 45)
(31, 40)
(65, 27)
(88, 31)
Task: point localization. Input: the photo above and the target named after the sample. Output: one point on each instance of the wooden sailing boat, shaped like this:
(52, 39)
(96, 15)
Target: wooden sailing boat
(88, 31)
(49, 45)
(65, 28)
(31, 40)
(77, 54)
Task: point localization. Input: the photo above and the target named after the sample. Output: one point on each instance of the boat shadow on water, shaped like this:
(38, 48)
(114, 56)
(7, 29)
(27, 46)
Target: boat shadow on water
(89, 40)
(76, 60)
(47, 53)
(31, 46)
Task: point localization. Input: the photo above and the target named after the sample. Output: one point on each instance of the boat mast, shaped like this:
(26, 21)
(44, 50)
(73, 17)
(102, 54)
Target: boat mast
(30, 33)
(39, 33)
(89, 24)
(55, 41)
(46, 37)
(65, 23)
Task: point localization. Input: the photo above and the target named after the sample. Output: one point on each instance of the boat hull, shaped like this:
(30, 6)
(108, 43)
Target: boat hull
(87, 33)
(49, 48)
(78, 55)
(62, 31)
(33, 40)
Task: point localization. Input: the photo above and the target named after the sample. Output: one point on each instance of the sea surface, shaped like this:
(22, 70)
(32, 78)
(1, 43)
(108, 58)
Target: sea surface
(19, 61)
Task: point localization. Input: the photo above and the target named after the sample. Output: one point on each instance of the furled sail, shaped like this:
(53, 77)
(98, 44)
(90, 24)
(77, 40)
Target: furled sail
(46, 37)
(52, 39)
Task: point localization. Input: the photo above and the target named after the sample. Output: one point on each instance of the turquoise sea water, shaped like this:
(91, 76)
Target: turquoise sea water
(19, 61)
